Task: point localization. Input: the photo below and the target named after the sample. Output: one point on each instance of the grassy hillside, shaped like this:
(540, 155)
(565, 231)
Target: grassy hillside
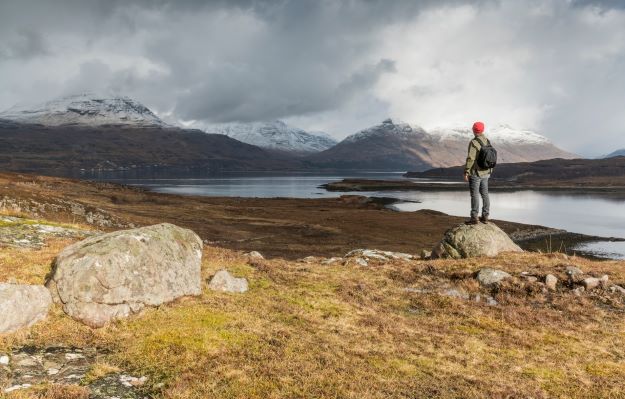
(310, 330)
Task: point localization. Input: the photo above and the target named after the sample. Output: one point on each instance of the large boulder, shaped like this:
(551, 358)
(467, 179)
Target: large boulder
(468, 241)
(116, 274)
(22, 305)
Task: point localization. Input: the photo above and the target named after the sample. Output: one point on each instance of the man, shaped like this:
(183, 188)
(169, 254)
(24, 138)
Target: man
(477, 177)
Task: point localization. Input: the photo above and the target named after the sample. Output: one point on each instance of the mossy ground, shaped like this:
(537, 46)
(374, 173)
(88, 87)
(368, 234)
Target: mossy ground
(308, 330)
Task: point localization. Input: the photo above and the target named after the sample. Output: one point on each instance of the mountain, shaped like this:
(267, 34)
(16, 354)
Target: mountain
(85, 110)
(617, 153)
(400, 146)
(276, 135)
(118, 133)
(606, 172)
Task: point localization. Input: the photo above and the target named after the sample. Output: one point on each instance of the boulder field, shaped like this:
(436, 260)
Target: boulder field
(117, 274)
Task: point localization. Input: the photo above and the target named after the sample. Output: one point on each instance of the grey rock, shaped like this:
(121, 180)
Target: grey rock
(617, 289)
(22, 306)
(331, 261)
(225, 282)
(308, 259)
(591, 283)
(573, 270)
(490, 301)
(4, 360)
(117, 274)
(551, 281)
(604, 281)
(255, 255)
(468, 241)
(361, 262)
(579, 291)
(426, 254)
(489, 277)
(455, 293)
(377, 254)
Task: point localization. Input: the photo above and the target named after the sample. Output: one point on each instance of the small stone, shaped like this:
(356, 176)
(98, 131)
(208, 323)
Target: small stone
(73, 356)
(52, 371)
(529, 278)
(226, 282)
(425, 254)
(16, 387)
(4, 360)
(617, 289)
(362, 262)
(255, 255)
(573, 271)
(579, 291)
(604, 281)
(331, 261)
(455, 293)
(490, 301)
(488, 276)
(591, 283)
(551, 281)
(308, 259)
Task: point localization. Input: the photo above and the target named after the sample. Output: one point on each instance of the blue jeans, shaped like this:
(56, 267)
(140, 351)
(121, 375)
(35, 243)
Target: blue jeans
(479, 187)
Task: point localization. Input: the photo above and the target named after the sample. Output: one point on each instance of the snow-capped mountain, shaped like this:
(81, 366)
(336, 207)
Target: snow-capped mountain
(617, 153)
(275, 135)
(85, 110)
(400, 146)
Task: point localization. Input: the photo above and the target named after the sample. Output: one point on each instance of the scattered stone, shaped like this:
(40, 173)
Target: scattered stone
(16, 387)
(308, 259)
(455, 293)
(573, 271)
(129, 381)
(490, 301)
(226, 282)
(377, 254)
(30, 233)
(361, 262)
(579, 291)
(591, 283)
(255, 255)
(604, 281)
(529, 277)
(117, 274)
(617, 289)
(425, 255)
(4, 360)
(468, 241)
(22, 306)
(32, 366)
(551, 281)
(331, 261)
(489, 277)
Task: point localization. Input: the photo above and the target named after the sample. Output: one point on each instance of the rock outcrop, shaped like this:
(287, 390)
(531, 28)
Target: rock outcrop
(116, 274)
(22, 306)
(468, 241)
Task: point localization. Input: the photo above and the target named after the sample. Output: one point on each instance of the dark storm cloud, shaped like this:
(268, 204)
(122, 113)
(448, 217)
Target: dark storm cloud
(327, 64)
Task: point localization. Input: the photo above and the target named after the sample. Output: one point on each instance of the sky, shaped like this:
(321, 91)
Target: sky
(553, 66)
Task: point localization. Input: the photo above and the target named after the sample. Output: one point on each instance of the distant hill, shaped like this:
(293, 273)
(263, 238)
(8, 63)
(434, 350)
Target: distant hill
(275, 135)
(617, 153)
(115, 133)
(588, 172)
(400, 146)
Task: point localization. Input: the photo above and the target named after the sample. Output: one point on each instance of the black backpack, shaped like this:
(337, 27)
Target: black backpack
(487, 156)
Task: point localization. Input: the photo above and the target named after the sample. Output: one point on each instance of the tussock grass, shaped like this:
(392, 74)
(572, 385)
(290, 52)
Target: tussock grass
(309, 331)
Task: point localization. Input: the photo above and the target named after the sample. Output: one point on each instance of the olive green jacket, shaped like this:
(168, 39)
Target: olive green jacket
(471, 168)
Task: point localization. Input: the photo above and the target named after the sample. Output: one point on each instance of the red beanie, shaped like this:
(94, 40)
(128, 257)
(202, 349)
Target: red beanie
(478, 127)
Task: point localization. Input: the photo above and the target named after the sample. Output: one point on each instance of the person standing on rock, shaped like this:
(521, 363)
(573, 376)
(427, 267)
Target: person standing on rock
(477, 170)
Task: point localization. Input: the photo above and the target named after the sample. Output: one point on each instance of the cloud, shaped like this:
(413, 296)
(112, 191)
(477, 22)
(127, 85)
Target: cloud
(555, 66)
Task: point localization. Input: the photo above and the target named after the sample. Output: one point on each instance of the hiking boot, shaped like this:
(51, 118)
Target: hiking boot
(472, 221)
(484, 219)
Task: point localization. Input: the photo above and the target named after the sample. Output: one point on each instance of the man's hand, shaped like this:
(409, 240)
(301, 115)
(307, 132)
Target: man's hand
(466, 177)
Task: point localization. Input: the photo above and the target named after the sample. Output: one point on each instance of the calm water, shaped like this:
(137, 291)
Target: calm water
(586, 214)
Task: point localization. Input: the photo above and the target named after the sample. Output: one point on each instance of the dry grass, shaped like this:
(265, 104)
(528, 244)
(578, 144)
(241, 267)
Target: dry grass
(309, 331)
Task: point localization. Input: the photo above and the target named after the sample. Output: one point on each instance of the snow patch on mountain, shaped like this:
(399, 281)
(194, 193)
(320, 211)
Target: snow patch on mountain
(86, 109)
(275, 135)
(497, 134)
(617, 153)
(386, 128)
